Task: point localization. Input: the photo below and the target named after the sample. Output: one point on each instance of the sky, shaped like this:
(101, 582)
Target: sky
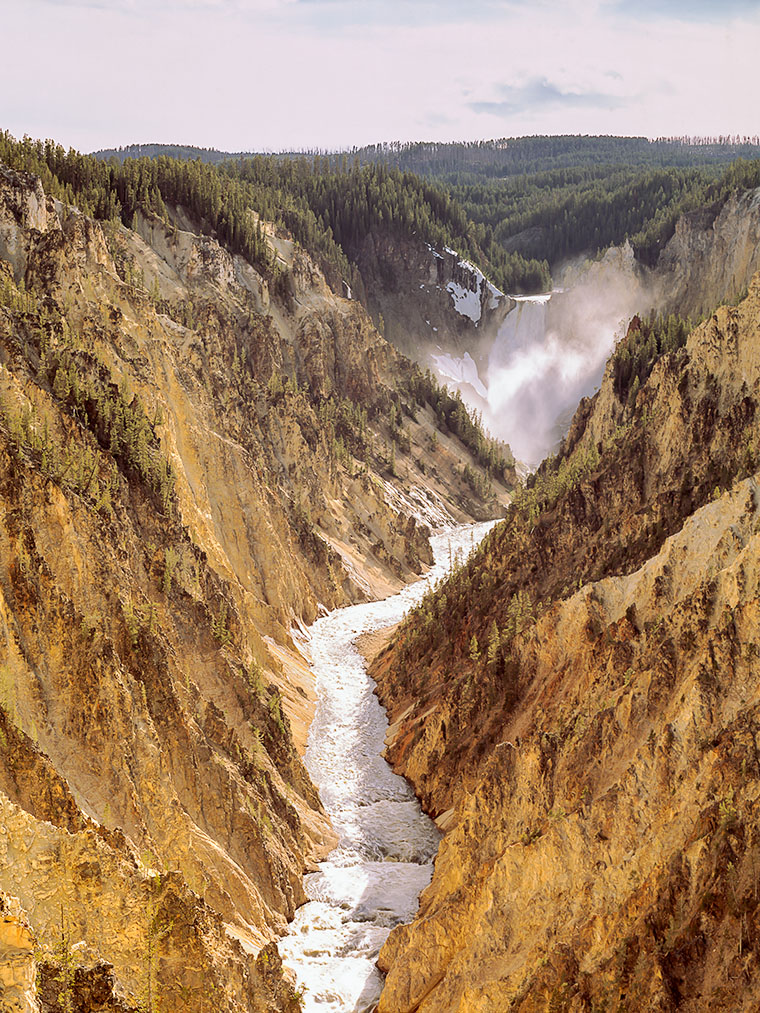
(293, 74)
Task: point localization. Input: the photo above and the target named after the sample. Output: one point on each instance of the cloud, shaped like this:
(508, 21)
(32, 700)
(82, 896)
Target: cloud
(155, 7)
(335, 16)
(278, 74)
(541, 93)
(320, 15)
(683, 10)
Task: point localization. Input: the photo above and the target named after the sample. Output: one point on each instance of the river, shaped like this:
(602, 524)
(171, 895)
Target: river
(383, 860)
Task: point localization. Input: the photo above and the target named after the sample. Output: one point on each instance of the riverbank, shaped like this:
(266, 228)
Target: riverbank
(370, 644)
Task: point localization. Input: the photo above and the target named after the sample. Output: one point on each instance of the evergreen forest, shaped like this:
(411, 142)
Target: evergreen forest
(516, 208)
(546, 198)
(328, 209)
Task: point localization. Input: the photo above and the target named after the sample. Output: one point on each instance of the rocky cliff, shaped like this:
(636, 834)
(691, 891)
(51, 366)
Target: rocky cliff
(431, 301)
(190, 465)
(587, 730)
(17, 963)
(712, 256)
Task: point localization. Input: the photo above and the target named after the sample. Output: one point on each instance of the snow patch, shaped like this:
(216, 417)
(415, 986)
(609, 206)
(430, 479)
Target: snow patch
(466, 303)
(495, 296)
(461, 370)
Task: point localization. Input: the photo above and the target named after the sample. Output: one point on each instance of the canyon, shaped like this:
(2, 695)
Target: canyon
(201, 457)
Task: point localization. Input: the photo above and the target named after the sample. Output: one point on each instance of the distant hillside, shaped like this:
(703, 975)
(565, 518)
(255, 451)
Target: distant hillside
(556, 197)
(550, 197)
(515, 156)
(505, 156)
(184, 152)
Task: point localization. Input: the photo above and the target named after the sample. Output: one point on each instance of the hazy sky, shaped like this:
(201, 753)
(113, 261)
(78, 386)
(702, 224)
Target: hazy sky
(272, 74)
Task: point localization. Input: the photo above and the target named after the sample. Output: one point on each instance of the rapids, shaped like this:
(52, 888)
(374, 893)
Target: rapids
(372, 880)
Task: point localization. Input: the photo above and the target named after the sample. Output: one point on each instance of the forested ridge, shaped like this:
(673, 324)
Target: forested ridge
(504, 156)
(327, 209)
(231, 202)
(551, 197)
(511, 207)
(182, 151)
(565, 212)
(350, 202)
(555, 197)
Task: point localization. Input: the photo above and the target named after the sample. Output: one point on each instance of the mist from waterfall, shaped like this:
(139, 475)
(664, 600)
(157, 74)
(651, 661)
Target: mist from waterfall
(550, 351)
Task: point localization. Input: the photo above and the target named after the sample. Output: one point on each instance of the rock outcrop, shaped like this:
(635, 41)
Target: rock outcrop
(431, 300)
(18, 968)
(712, 256)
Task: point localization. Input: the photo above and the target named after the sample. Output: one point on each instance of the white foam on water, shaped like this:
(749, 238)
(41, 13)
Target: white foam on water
(461, 370)
(383, 861)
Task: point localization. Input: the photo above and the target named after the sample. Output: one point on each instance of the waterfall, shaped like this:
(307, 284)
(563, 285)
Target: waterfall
(539, 367)
(548, 352)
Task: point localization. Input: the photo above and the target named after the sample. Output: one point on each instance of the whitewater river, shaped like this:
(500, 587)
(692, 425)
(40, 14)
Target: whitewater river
(373, 879)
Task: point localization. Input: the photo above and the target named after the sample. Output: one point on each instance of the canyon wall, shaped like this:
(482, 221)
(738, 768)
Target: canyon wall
(586, 731)
(190, 466)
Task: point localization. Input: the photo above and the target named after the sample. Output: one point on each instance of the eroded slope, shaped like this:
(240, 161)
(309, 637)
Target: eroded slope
(189, 465)
(591, 715)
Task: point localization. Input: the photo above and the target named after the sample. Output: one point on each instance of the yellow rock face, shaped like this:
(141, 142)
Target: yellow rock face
(620, 809)
(151, 788)
(17, 963)
(602, 852)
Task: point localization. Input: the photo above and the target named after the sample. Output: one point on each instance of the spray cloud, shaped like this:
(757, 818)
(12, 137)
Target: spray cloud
(550, 351)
